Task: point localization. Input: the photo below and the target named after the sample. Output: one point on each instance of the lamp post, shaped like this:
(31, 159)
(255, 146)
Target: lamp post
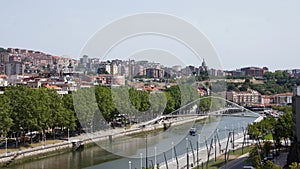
(187, 153)
(146, 152)
(198, 142)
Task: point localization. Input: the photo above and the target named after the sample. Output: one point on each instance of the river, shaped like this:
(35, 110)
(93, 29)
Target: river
(134, 147)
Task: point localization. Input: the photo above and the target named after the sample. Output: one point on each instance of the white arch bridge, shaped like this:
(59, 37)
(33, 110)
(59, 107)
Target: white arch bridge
(219, 107)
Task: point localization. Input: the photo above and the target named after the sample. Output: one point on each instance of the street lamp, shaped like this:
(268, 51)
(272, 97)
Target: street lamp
(129, 164)
(146, 152)
(198, 142)
(187, 153)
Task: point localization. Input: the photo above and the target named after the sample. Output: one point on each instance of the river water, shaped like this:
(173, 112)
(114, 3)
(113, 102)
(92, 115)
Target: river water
(133, 148)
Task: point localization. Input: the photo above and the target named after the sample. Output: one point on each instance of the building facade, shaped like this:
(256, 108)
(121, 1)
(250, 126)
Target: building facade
(245, 97)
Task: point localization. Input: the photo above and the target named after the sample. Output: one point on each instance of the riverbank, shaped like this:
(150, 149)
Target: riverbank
(21, 156)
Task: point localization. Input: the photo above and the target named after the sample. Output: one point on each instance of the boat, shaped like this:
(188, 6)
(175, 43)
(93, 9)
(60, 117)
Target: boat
(193, 131)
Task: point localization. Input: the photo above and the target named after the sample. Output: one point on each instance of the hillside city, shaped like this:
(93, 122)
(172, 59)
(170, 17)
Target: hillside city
(36, 69)
(29, 78)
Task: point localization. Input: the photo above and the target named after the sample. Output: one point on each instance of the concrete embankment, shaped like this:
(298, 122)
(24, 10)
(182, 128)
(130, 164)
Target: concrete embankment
(34, 153)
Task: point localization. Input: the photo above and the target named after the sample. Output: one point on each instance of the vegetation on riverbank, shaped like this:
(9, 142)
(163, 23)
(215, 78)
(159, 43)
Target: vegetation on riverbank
(272, 83)
(272, 129)
(23, 109)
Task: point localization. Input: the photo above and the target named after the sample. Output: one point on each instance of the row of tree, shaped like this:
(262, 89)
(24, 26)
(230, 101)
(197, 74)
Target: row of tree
(23, 109)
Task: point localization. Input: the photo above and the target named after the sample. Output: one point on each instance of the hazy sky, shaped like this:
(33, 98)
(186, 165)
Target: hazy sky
(244, 33)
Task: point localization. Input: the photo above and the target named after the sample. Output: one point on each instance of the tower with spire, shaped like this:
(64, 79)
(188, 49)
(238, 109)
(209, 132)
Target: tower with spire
(203, 66)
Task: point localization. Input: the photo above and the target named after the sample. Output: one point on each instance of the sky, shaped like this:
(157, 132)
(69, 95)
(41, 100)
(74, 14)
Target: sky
(243, 33)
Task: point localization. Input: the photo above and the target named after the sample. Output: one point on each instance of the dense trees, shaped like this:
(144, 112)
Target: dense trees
(23, 109)
(273, 83)
(280, 128)
(5, 111)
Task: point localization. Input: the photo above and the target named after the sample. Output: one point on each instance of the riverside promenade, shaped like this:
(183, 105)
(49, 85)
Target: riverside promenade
(182, 160)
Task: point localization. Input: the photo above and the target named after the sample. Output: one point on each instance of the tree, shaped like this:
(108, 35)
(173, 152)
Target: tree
(158, 102)
(3, 50)
(254, 158)
(270, 165)
(170, 106)
(204, 104)
(283, 127)
(175, 93)
(5, 111)
(85, 106)
(269, 76)
(22, 103)
(69, 112)
(105, 102)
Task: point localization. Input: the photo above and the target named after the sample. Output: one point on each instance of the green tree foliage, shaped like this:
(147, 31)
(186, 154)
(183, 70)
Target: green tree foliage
(254, 158)
(5, 111)
(37, 110)
(3, 50)
(262, 128)
(23, 109)
(85, 107)
(270, 165)
(256, 155)
(283, 127)
(175, 93)
(204, 104)
(232, 86)
(202, 76)
(170, 107)
(158, 102)
(105, 102)
(273, 83)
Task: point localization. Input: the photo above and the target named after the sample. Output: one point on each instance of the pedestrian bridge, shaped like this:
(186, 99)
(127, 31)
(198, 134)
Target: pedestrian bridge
(224, 108)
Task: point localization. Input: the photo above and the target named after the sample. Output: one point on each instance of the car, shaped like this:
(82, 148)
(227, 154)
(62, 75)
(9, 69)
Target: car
(249, 167)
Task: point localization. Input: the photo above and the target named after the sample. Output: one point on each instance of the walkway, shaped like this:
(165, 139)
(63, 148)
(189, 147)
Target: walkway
(182, 160)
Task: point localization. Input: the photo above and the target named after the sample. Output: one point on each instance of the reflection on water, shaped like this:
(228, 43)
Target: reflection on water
(133, 147)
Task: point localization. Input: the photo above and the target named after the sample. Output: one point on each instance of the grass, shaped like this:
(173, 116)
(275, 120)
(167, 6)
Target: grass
(268, 137)
(220, 159)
